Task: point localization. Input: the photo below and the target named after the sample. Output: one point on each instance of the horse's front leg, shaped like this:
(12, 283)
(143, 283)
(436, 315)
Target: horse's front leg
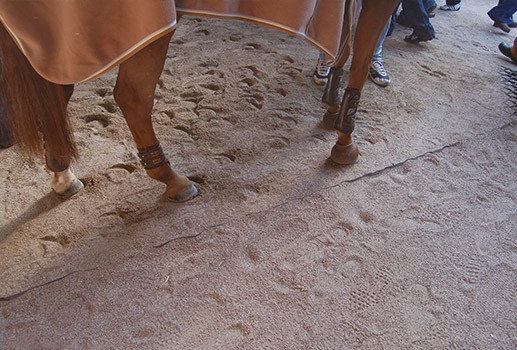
(63, 181)
(134, 93)
(373, 18)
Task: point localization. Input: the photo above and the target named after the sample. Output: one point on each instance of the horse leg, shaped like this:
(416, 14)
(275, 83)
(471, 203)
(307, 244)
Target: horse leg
(63, 181)
(331, 94)
(373, 18)
(134, 93)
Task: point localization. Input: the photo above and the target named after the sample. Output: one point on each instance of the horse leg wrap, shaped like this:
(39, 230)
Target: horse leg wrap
(345, 121)
(331, 92)
(152, 157)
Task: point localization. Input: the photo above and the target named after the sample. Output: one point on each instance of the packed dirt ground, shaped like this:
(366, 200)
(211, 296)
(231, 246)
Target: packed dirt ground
(413, 247)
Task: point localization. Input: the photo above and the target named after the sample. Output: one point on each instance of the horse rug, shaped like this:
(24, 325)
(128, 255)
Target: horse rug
(70, 41)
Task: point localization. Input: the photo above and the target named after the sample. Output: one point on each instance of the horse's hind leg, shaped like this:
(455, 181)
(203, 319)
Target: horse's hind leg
(63, 181)
(331, 95)
(134, 93)
(374, 16)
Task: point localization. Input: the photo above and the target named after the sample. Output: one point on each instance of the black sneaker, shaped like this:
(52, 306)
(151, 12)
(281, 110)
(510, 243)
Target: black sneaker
(378, 74)
(415, 38)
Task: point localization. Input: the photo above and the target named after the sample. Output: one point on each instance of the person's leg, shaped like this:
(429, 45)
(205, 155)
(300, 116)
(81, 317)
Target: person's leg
(377, 54)
(503, 10)
(501, 13)
(430, 6)
(378, 73)
(422, 28)
(392, 22)
(508, 8)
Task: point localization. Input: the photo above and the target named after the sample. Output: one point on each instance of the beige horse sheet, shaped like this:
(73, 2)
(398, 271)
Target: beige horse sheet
(70, 41)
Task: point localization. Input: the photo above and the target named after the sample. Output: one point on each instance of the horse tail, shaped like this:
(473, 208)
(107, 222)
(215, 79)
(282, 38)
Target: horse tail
(35, 109)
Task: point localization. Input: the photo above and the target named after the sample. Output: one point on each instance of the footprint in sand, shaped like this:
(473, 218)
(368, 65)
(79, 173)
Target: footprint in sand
(361, 299)
(277, 142)
(102, 92)
(109, 105)
(236, 37)
(118, 172)
(473, 269)
(102, 119)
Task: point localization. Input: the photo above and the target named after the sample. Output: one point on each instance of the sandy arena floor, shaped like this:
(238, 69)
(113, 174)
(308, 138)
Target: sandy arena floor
(413, 247)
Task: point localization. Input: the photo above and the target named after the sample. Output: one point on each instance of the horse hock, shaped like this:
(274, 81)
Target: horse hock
(345, 151)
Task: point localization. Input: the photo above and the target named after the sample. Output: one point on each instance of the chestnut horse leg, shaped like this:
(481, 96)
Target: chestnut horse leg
(372, 19)
(134, 93)
(63, 181)
(331, 96)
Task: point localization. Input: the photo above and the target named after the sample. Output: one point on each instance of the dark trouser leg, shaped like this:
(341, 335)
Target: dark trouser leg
(415, 10)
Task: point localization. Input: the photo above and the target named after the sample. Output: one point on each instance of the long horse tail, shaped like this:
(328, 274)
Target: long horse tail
(35, 109)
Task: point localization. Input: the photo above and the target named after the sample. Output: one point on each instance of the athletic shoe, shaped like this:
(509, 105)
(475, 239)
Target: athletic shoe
(415, 38)
(450, 7)
(378, 74)
(430, 11)
(321, 73)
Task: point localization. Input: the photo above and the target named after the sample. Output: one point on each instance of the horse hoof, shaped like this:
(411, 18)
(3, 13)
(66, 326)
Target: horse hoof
(184, 196)
(344, 154)
(76, 186)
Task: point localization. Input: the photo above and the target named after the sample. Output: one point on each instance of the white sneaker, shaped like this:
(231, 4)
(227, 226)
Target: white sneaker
(450, 7)
(322, 71)
(378, 74)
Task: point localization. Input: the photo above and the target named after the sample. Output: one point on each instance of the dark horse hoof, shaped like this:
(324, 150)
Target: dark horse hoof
(184, 196)
(344, 154)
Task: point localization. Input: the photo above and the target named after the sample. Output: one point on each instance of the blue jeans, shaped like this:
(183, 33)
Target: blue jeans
(414, 11)
(504, 11)
(377, 54)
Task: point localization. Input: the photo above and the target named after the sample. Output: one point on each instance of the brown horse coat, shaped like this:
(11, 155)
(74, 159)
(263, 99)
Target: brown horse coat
(69, 41)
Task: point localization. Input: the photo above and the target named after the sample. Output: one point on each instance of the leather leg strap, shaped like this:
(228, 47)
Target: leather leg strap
(152, 157)
(331, 92)
(345, 121)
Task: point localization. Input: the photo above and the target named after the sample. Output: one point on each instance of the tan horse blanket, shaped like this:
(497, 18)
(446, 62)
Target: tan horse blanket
(70, 41)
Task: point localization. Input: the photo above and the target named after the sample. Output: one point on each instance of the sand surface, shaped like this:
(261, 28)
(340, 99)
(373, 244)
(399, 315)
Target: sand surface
(413, 247)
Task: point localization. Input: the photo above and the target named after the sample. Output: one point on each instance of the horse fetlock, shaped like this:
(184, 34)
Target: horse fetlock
(65, 183)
